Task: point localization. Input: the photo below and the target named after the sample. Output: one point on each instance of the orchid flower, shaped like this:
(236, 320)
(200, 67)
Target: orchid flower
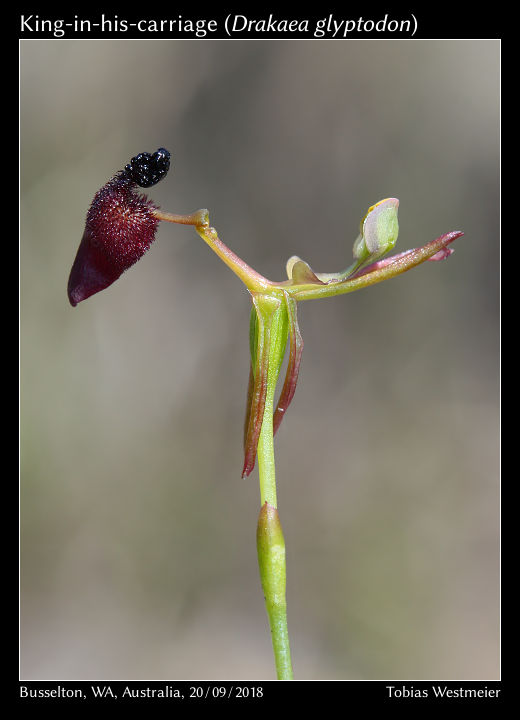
(120, 227)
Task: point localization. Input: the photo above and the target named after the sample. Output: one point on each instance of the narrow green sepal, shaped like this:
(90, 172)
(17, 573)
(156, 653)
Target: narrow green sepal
(268, 333)
(293, 365)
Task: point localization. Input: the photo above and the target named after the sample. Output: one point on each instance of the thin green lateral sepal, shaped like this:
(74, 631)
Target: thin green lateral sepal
(268, 339)
(293, 365)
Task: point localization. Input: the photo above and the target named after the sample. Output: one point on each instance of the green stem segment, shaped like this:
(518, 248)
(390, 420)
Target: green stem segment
(271, 560)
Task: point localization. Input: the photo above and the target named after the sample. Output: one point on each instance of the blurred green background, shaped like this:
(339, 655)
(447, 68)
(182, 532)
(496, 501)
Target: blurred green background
(138, 556)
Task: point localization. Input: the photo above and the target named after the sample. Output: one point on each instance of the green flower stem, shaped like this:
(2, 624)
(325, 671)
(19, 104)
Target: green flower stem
(265, 454)
(271, 561)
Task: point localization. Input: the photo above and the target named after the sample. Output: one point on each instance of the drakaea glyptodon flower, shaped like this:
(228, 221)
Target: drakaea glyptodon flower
(121, 225)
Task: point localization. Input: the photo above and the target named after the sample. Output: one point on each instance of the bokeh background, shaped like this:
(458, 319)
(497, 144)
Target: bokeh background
(138, 556)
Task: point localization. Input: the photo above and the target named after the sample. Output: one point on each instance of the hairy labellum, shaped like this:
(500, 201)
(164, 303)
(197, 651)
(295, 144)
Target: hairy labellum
(120, 228)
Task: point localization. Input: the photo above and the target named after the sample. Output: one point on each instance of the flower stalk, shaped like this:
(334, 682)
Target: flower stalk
(271, 561)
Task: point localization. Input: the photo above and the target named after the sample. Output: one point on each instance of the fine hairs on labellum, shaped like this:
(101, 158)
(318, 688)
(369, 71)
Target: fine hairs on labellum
(120, 226)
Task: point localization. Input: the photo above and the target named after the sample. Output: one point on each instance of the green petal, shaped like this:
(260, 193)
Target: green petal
(379, 231)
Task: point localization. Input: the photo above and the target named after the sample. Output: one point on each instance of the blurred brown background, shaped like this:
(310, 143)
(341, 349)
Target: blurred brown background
(138, 534)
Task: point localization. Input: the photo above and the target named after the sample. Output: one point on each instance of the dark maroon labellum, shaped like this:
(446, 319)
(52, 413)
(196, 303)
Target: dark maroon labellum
(120, 228)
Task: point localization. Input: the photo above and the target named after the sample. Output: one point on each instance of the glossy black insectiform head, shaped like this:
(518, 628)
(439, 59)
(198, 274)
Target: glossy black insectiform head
(147, 169)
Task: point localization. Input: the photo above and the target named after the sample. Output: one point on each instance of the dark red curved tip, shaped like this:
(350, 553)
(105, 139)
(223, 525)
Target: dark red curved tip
(91, 272)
